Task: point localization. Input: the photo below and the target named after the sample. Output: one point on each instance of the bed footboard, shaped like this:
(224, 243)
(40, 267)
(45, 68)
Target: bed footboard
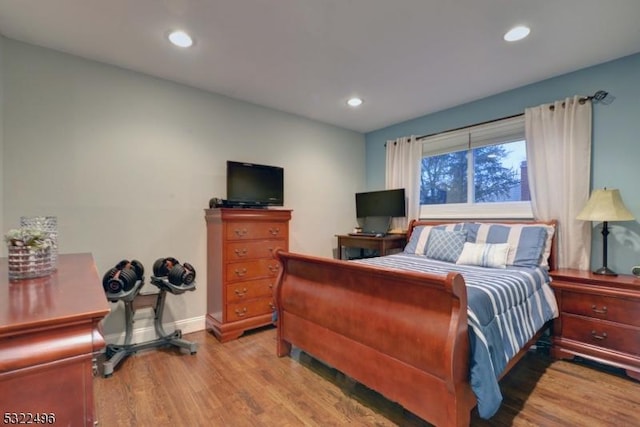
(403, 334)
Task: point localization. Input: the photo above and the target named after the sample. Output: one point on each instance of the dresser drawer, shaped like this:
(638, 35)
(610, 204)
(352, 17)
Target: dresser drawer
(248, 270)
(256, 230)
(253, 249)
(601, 307)
(249, 308)
(246, 290)
(601, 333)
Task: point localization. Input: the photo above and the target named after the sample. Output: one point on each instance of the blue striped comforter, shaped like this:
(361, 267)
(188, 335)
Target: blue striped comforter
(506, 307)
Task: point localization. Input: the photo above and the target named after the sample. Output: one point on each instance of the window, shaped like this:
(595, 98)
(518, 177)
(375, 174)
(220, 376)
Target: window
(476, 172)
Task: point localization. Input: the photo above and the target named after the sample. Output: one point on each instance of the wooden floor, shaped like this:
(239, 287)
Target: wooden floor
(243, 383)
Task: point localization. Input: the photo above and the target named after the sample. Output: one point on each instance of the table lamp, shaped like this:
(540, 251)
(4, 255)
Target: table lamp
(605, 205)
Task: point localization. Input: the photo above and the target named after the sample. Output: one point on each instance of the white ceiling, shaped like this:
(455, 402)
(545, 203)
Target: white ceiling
(405, 58)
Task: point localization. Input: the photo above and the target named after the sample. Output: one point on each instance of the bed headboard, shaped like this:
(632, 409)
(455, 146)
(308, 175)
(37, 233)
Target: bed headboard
(552, 257)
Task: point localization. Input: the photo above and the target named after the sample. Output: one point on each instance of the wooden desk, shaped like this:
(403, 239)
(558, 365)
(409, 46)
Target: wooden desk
(48, 337)
(382, 244)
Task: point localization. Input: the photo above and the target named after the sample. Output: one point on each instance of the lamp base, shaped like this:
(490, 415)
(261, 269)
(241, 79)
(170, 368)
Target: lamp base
(605, 271)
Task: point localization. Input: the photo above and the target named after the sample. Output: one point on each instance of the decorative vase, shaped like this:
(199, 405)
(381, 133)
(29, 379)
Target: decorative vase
(27, 263)
(47, 224)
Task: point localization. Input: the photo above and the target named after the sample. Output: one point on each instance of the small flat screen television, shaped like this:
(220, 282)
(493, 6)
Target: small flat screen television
(254, 185)
(385, 203)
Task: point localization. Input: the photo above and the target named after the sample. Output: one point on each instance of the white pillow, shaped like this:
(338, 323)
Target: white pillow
(492, 255)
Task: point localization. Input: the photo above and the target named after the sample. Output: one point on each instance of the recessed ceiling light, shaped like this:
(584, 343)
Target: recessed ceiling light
(354, 102)
(517, 33)
(180, 38)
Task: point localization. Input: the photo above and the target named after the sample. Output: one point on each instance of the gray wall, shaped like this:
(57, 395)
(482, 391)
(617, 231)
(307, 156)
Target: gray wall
(128, 162)
(615, 152)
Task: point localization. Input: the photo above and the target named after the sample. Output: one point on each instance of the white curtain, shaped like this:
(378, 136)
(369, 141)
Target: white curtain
(403, 171)
(559, 160)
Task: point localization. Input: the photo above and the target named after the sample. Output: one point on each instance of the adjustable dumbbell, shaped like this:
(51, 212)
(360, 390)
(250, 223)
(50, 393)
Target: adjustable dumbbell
(123, 276)
(182, 274)
(177, 274)
(163, 266)
(134, 265)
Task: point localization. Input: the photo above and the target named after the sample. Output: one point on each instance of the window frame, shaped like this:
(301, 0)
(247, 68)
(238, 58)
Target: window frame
(501, 131)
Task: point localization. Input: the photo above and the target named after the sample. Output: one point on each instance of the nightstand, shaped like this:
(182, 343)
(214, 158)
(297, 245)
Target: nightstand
(599, 318)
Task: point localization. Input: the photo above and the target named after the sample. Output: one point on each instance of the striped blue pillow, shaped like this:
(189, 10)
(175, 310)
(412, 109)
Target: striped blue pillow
(418, 240)
(420, 236)
(526, 242)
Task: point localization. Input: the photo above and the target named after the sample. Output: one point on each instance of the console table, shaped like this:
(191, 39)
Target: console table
(382, 244)
(48, 337)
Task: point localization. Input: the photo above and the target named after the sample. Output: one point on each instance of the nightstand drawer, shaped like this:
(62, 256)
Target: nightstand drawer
(601, 307)
(601, 333)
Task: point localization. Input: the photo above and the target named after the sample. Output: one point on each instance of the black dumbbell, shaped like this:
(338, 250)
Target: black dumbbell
(182, 274)
(134, 265)
(163, 266)
(138, 268)
(116, 280)
(123, 276)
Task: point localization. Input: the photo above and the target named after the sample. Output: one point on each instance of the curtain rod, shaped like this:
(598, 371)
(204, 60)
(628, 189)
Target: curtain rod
(596, 97)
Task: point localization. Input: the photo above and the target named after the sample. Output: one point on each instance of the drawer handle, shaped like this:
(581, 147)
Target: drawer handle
(273, 307)
(241, 232)
(274, 231)
(595, 335)
(270, 285)
(241, 313)
(241, 252)
(241, 272)
(596, 310)
(241, 292)
(274, 267)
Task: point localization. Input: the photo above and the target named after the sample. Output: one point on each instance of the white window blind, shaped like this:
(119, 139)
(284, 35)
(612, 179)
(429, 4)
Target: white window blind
(498, 132)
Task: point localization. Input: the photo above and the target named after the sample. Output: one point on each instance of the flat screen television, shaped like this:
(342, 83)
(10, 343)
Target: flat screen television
(253, 185)
(385, 203)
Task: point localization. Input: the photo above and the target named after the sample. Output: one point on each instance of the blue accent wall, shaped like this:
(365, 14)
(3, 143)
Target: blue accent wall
(616, 140)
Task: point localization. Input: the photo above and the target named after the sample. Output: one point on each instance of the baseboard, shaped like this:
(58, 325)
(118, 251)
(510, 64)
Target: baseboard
(148, 333)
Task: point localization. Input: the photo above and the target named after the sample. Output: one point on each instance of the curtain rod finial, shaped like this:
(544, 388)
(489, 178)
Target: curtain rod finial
(603, 97)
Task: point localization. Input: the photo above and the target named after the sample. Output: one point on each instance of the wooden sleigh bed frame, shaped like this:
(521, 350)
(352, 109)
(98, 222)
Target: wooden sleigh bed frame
(402, 334)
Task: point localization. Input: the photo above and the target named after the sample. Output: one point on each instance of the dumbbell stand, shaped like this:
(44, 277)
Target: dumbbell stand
(116, 353)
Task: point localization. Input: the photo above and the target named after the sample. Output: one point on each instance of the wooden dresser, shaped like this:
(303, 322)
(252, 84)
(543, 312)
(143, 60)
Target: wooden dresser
(241, 269)
(48, 337)
(599, 318)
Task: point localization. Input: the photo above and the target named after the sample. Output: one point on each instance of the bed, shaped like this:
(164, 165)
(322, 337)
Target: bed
(407, 325)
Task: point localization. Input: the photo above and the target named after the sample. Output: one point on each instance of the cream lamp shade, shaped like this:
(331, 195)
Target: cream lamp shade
(605, 205)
